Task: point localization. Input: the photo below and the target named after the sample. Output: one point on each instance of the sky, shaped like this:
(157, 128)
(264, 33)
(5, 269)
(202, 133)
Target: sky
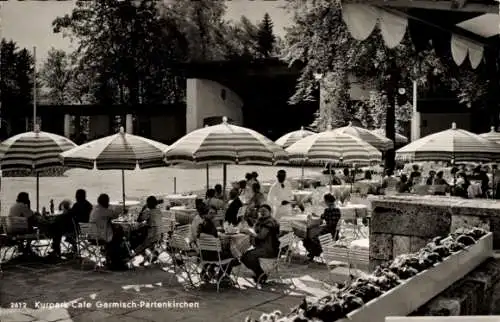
(29, 22)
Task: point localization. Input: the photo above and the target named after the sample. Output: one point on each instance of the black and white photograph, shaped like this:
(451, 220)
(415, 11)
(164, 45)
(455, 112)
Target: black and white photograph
(250, 160)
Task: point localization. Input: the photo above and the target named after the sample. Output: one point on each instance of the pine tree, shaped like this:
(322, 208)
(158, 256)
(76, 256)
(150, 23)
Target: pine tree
(265, 37)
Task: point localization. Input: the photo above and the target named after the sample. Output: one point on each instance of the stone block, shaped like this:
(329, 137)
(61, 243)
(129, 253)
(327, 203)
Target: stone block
(411, 220)
(400, 245)
(440, 307)
(381, 246)
(461, 221)
(467, 294)
(417, 243)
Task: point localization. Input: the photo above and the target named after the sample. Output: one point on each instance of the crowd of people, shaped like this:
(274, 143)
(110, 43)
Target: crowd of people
(260, 221)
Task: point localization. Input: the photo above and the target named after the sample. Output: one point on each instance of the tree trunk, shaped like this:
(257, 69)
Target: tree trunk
(390, 117)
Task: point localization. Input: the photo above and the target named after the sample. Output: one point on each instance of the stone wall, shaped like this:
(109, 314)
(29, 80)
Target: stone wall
(403, 224)
(476, 294)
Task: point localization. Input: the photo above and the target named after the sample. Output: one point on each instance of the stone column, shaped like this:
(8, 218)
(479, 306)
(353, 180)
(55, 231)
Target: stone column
(67, 125)
(129, 124)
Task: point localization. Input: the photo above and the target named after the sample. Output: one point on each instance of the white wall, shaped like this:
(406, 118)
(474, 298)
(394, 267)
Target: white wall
(204, 99)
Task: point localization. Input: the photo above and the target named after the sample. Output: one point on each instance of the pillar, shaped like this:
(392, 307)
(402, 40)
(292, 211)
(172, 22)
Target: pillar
(67, 125)
(415, 116)
(129, 124)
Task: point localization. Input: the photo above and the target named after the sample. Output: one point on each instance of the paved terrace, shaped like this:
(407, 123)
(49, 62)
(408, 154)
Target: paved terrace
(44, 282)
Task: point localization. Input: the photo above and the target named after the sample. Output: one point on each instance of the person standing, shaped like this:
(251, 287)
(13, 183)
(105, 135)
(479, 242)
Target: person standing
(280, 195)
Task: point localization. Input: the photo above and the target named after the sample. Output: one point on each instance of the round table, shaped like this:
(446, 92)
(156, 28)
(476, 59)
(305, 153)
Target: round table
(353, 211)
(300, 225)
(184, 215)
(128, 203)
(182, 200)
(237, 243)
(302, 195)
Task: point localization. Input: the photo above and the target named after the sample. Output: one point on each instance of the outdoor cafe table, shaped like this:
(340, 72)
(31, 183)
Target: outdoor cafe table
(302, 196)
(118, 205)
(182, 200)
(265, 187)
(237, 243)
(183, 214)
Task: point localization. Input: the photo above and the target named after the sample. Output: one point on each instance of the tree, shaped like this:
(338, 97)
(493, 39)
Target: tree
(319, 39)
(56, 75)
(126, 48)
(265, 37)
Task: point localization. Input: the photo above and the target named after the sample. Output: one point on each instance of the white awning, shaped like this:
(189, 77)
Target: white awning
(361, 20)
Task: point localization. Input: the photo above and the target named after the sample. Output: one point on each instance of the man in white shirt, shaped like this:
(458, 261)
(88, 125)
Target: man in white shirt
(280, 195)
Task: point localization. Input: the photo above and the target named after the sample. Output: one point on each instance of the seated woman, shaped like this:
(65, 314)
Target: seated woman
(21, 209)
(266, 243)
(331, 216)
(150, 220)
(207, 227)
(116, 253)
(211, 200)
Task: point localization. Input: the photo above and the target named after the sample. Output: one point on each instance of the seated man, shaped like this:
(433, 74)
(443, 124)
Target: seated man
(219, 194)
(62, 225)
(331, 216)
(234, 207)
(265, 241)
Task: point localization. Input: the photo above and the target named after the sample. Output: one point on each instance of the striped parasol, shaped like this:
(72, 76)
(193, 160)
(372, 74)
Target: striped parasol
(491, 135)
(453, 145)
(378, 141)
(290, 138)
(121, 151)
(334, 147)
(35, 150)
(226, 144)
(400, 139)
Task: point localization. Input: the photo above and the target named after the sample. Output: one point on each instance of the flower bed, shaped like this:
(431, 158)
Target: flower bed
(400, 287)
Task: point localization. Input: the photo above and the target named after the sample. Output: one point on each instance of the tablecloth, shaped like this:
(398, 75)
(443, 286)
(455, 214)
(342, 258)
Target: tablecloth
(302, 195)
(182, 200)
(183, 215)
(238, 243)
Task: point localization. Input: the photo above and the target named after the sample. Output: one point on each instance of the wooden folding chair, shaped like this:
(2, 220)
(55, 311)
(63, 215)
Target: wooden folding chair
(89, 244)
(270, 266)
(213, 244)
(16, 228)
(182, 253)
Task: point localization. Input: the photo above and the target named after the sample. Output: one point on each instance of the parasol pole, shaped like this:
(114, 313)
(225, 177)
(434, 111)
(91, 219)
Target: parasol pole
(224, 180)
(35, 128)
(208, 176)
(123, 189)
(331, 178)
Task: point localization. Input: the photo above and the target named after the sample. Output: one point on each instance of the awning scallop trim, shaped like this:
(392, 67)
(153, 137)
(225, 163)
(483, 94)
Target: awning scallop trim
(361, 20)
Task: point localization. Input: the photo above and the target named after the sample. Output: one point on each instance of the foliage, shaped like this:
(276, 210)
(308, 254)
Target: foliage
(16, 83)
(56, 75)
(126, 48)
(265, 37)
(320, 39)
